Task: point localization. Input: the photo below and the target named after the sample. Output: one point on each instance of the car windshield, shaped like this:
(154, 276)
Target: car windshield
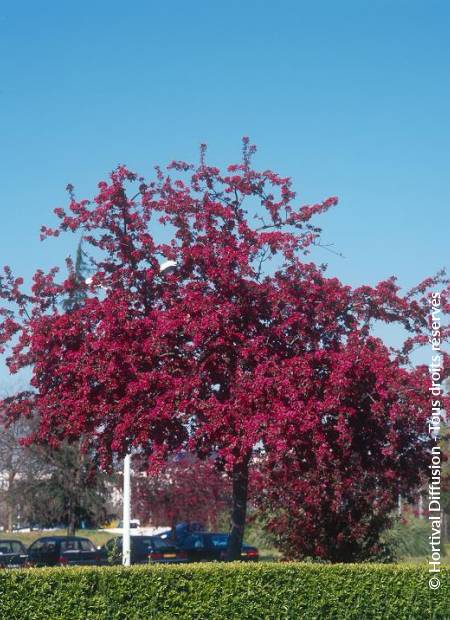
(10, 546)
(87, 545)
(77, 545)
(161, 545)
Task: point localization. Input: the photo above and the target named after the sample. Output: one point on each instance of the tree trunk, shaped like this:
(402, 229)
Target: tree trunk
(70, 519)
(239, 510)
(71, 526)
(74, 493)
(9, 517)
(10, 502)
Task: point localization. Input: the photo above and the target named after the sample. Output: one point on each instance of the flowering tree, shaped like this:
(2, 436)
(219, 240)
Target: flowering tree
(226, 355)
(333, 486)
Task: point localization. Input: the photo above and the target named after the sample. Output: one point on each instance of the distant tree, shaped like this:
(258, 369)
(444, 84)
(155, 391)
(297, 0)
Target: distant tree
(78, 273)
(72, 492)
(49, 486)
(19, 466)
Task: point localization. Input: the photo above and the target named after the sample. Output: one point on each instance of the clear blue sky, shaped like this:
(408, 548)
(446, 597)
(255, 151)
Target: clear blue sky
(349, 98)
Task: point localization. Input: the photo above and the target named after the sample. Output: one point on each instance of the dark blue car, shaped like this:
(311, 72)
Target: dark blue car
(212, 546)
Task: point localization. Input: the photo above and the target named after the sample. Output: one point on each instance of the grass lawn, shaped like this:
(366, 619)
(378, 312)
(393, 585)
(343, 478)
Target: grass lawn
(98, 538)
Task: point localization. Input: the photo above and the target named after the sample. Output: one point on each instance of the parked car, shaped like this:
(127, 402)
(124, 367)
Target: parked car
(144, 550)
(212, 546)
(13, 554)
(63, 551)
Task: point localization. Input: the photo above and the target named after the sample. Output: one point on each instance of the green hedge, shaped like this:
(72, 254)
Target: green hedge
(225, 591)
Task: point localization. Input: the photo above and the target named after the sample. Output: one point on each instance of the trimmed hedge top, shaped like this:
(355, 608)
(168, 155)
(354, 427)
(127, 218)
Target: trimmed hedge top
(265, 591)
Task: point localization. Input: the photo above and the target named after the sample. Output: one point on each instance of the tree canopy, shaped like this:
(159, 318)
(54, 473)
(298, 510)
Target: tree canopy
(245, 348)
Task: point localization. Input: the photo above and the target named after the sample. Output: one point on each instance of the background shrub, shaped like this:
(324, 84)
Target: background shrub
(408, 538)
